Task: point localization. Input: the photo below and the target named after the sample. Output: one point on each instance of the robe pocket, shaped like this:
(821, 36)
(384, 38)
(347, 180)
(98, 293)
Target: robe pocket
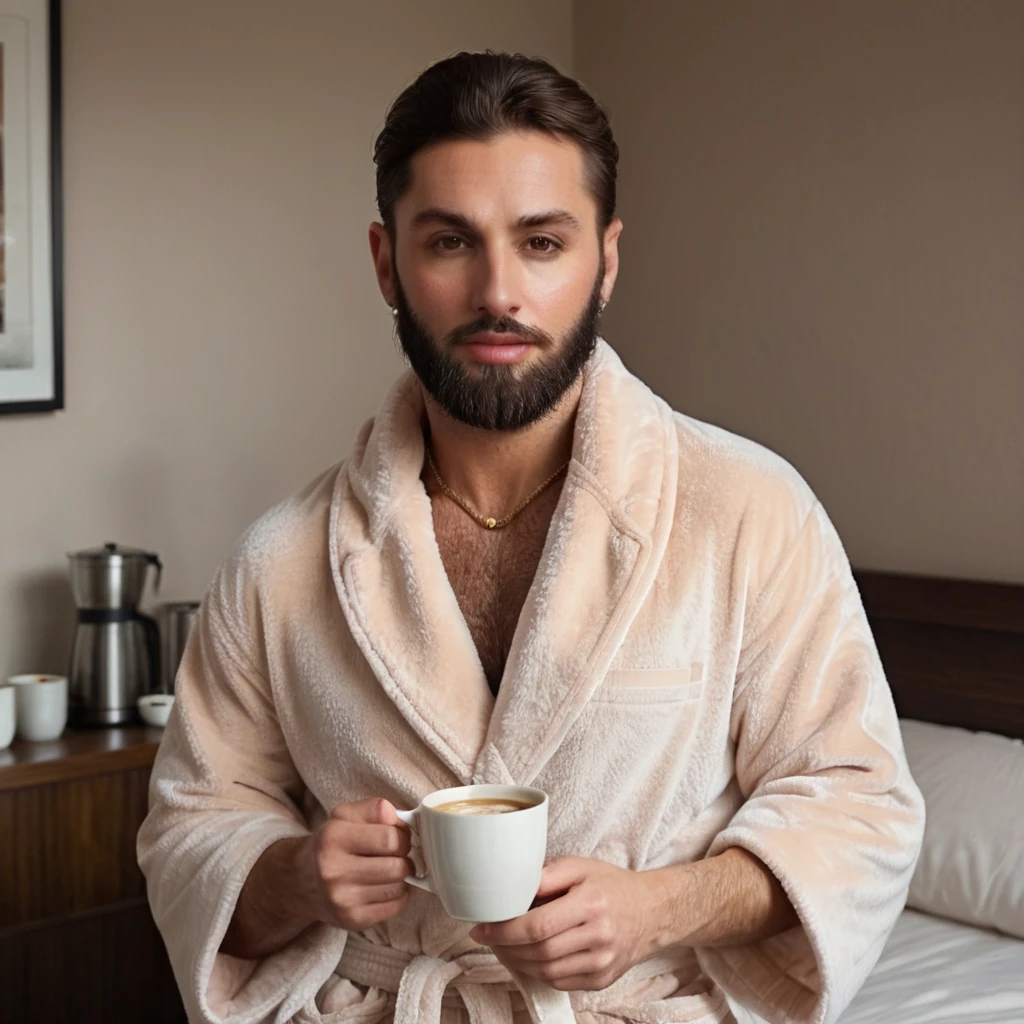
(651, 685)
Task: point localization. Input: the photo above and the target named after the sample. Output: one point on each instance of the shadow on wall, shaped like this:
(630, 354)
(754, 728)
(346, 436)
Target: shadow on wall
(44, 620)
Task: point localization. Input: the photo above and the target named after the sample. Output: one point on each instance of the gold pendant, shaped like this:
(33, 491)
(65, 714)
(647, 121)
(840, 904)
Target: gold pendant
(491, 523)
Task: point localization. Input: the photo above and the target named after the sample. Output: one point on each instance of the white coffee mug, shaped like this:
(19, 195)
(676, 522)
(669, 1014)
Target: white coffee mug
(483, 867)
(6, 716)
(41, 706)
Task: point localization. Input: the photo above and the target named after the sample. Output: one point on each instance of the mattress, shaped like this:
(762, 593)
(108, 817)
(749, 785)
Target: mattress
(934, 971)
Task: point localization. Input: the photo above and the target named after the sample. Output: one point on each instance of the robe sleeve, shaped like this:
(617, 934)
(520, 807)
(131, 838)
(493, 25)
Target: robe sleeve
(223, 789)
(829, 804)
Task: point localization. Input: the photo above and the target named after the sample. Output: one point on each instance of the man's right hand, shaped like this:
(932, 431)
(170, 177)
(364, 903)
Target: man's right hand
(360, 860)
(349, 874)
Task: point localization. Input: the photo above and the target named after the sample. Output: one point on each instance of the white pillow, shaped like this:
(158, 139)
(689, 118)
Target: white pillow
(972, 861)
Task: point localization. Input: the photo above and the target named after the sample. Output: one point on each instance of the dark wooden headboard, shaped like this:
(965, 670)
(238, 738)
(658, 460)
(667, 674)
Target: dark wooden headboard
(953, 650)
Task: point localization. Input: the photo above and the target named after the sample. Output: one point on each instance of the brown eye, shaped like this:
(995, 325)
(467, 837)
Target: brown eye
(542, 245)
(450, 243)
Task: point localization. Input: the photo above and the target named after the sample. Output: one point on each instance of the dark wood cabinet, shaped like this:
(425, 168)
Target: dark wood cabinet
(77, 941)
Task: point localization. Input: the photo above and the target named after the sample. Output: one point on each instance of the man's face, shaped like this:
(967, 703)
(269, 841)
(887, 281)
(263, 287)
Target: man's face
(497, 272)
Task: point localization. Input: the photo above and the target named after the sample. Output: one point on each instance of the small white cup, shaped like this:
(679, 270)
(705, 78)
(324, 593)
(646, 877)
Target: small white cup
(155, 708)
(7, 717)
(483, 867)
(41, 706)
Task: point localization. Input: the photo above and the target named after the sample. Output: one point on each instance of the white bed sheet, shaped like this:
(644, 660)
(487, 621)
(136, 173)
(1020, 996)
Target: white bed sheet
(934, 971)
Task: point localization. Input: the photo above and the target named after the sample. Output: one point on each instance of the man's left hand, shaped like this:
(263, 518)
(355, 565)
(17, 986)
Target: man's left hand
(600, 923)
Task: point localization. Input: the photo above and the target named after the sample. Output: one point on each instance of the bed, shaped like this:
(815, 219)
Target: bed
(954, 656)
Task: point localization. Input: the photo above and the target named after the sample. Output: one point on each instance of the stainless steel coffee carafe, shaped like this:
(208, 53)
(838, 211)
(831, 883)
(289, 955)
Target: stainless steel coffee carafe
(179, 619)
(115, 656)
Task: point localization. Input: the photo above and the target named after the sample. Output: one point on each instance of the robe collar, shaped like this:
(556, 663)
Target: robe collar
(602, 551)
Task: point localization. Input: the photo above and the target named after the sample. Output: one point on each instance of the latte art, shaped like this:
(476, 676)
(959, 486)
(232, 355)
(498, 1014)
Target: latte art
(483, 806)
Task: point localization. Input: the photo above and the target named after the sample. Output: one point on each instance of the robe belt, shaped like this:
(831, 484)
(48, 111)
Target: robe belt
(487, 989)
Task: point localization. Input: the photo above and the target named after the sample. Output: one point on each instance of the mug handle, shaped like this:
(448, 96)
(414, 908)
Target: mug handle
(409, 818)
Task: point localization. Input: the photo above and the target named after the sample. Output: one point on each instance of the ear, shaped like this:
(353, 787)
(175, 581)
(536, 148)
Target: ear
(383, 261)
(610, 243)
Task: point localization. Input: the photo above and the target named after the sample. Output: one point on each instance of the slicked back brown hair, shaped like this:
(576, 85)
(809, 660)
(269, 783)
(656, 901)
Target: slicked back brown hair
(481, 95)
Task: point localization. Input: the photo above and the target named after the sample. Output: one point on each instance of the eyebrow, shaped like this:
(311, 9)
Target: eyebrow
(437, 215)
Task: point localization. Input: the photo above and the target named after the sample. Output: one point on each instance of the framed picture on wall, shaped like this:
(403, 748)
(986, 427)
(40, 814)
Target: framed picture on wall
(31, 302)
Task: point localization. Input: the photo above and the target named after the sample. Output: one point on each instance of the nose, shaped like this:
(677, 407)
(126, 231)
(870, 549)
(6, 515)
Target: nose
(496, 285)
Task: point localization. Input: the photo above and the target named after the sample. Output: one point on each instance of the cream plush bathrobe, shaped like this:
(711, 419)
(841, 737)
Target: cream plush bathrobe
(692, 670)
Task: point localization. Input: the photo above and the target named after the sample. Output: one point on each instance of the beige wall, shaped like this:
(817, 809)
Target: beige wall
(224, 332)
(824, 249)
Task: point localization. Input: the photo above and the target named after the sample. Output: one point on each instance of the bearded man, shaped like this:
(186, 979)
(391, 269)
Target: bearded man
(529, 571)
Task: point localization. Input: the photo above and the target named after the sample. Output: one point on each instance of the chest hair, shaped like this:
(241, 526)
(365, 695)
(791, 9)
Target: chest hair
(491, 572)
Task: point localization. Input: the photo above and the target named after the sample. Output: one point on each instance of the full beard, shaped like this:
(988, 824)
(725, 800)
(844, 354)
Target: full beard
(505, 398)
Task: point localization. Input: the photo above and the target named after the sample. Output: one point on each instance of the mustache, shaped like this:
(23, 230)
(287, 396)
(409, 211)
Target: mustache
(498, 325)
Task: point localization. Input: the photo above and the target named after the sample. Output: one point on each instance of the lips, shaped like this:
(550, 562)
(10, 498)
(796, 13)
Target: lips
(497, 348)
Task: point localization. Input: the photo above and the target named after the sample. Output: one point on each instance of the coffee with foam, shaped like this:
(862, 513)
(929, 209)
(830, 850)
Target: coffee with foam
(483, 806)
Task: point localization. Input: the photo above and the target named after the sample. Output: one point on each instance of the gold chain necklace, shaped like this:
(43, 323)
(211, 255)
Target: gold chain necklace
(487, 521)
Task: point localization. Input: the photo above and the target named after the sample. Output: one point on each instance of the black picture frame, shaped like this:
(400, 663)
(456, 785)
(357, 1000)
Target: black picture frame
(55, 399)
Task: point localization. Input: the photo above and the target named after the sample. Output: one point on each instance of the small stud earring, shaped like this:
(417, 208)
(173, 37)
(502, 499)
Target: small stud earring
(602, 308)
(394, 311)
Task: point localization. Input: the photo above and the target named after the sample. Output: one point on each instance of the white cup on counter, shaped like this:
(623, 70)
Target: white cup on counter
(6, 716)
(41, 706)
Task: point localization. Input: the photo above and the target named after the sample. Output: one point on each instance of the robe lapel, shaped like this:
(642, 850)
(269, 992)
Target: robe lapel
(395, 593)
(602, 552)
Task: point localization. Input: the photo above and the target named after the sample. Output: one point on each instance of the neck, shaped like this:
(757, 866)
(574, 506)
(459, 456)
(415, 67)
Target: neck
(494, 470)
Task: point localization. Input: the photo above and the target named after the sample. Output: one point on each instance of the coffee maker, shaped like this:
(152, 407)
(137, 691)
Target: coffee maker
(115, 656)
(180, 618)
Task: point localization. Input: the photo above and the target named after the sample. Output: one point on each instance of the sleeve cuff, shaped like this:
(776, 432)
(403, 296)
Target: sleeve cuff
(221, 989)
(784, 978)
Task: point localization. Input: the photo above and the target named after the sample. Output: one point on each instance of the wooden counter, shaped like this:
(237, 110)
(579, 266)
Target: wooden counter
(77, 941)
(78, 753)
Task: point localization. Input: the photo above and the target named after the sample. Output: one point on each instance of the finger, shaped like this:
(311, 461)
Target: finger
(367, 840)
(373, 811)
(575, 940)
(561, 875)
(384, 893)
(347, 897)
(365, 812)
(579, 968)
(378, 870)
(369, 914)
(387, 815)
(560, 915)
